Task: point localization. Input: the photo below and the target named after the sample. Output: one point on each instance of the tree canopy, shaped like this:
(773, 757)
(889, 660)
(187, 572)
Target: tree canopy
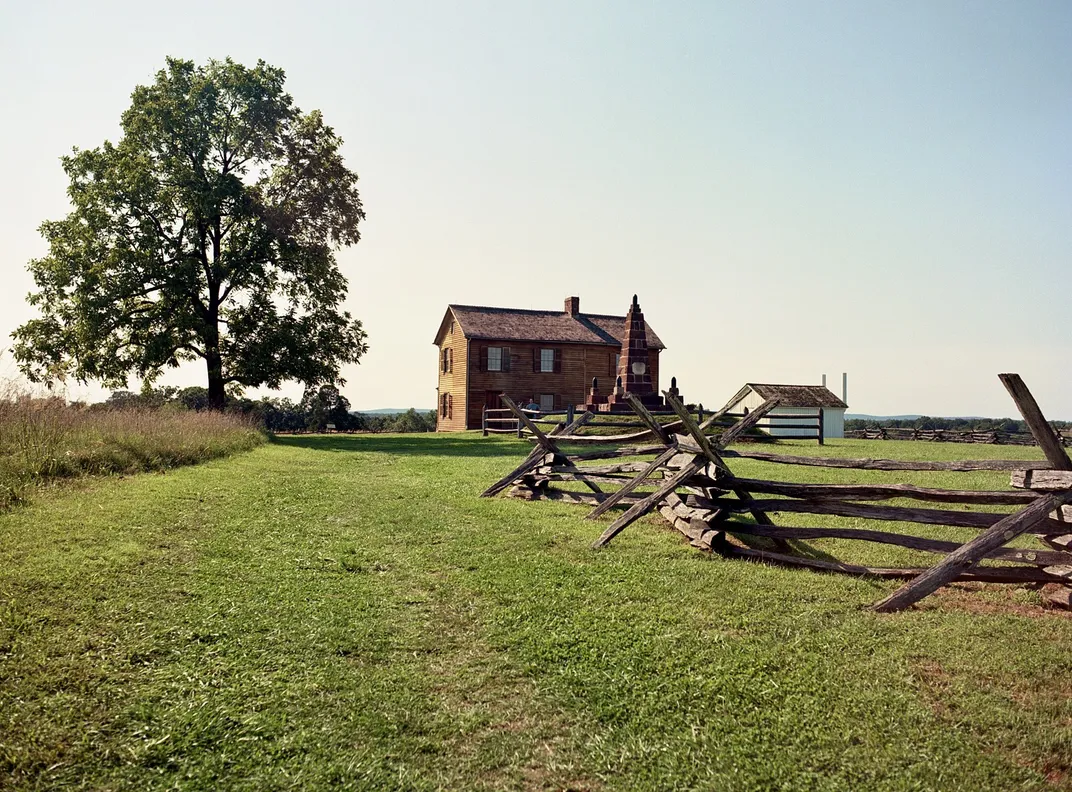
(324, 406)
(209, 230)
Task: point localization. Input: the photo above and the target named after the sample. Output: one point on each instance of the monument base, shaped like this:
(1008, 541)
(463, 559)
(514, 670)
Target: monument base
(618, 404)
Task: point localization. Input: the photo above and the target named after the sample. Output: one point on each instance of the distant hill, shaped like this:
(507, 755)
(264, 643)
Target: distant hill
(387, 411)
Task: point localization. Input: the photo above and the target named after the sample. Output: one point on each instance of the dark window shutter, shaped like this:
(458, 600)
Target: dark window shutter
(506, 358)
(535, 360)
(450, 406)
(558, 361)
(483, 358)
(450, 359)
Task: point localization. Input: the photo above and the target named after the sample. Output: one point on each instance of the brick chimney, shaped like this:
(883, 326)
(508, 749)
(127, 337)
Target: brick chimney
(573, 305)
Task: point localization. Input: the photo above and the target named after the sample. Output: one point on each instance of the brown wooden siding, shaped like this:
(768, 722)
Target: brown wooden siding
(452, 382)
(579, 364)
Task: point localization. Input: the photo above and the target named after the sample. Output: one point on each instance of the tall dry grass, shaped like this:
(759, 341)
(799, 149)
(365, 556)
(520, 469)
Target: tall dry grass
(44, 439)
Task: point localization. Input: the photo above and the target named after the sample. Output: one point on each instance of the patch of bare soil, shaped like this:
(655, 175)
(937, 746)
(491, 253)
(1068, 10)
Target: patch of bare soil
(991, 599)
(938, 686)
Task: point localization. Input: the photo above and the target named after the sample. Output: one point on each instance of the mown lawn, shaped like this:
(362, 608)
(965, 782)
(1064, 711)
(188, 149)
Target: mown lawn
(345, 612)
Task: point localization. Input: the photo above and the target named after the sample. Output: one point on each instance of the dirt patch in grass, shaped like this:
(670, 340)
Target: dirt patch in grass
(1055, 771)
(992, 599)
(935, 682)
(1007, 701)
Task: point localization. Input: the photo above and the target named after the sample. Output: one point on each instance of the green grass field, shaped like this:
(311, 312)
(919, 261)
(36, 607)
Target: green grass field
(345, 612)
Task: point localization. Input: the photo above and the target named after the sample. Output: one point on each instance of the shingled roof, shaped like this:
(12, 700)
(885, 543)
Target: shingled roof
(556, 327)
(798, 395)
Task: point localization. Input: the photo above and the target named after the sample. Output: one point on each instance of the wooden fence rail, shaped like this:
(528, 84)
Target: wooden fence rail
(681, 469)
(805, 426)
(992, 437)
(503, 420)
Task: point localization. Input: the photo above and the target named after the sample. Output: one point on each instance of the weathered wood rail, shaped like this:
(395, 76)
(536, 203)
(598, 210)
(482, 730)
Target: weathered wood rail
(681, 471)
(504, 421)
(803, 426)
(989, 437)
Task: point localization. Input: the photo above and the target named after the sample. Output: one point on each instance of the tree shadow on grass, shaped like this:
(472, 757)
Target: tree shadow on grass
(446, 445)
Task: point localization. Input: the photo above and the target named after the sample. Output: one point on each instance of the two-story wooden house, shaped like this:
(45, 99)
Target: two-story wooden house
(549, 357)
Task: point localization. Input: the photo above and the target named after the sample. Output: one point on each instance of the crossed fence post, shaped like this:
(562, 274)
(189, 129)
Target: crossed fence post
(1004, 531)
(704, 453)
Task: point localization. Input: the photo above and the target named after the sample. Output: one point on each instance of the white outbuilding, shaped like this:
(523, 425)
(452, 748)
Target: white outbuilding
(793, 400)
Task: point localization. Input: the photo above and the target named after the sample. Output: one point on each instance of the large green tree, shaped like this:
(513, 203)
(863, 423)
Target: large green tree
(208, 231)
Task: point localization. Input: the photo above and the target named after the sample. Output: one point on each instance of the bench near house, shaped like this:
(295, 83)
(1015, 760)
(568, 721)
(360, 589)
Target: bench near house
(550, 357)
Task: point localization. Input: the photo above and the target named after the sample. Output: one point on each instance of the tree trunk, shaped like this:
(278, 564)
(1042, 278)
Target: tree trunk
(217, 398)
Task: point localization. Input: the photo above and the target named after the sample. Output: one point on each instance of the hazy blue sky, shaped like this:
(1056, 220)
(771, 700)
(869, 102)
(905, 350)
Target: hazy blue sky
(882, 188)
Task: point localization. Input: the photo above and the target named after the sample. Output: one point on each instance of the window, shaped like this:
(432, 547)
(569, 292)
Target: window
(443, 405)
(495, 358)
(547, 360)
(448, 360)
(498, 359)
(547, 402)
(617, 362)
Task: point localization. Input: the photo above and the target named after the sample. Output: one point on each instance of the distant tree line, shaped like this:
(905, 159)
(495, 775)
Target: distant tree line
(959, 424)
(318, 409)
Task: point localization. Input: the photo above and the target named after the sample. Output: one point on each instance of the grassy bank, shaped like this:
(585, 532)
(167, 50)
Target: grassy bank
(345, 612)
(42, 440)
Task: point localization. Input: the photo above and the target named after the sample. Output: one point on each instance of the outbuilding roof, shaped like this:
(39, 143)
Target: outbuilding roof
(798, 395)
(558, 327)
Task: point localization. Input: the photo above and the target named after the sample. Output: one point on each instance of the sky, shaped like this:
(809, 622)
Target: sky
(791, 188)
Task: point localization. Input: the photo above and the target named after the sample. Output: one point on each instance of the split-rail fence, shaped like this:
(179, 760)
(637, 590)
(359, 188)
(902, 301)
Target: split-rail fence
(992, 436)
(682, 471)
(799, 426)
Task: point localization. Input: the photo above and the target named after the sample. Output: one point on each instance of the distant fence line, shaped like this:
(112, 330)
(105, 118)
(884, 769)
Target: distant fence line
(803, 426)
(810, 426)
(992, 437)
